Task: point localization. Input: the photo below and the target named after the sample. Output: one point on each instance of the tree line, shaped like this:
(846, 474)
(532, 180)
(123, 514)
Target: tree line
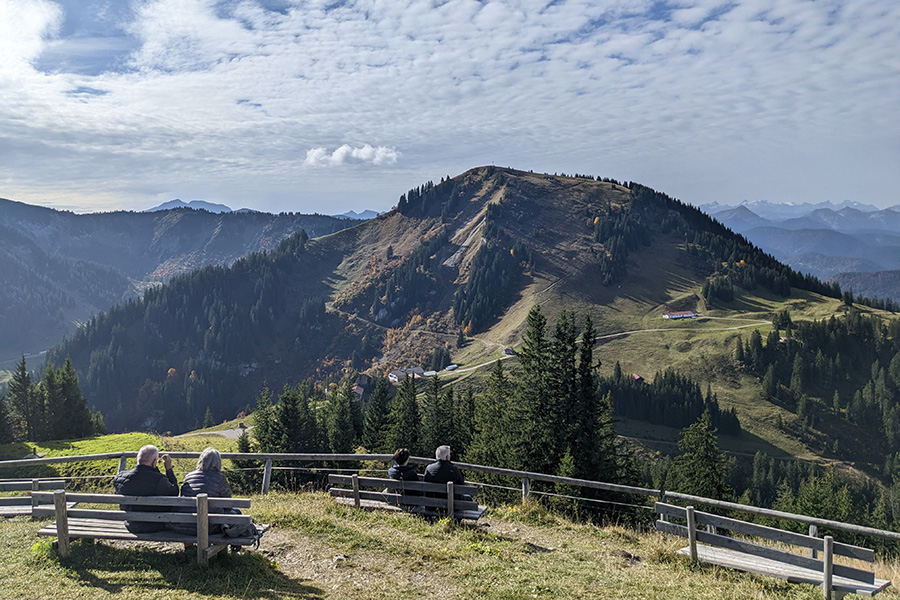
(51, 408)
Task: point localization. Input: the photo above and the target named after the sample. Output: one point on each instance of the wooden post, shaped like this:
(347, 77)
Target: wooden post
(692, 533)
(813, 533)
(828, 567)
(123, 463)
(62, 522)
(662, 498)
(451, 498)
(35, 487)
(267, 477)
(526, 488)
(355, 479)
(202, 528)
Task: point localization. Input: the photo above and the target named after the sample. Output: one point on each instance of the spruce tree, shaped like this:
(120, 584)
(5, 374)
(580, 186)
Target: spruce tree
(437, 416)
(339, 420)
(700, 468)
(376, 422)
(25, 402)
(535, 439)
(492, 435)
(405, 422)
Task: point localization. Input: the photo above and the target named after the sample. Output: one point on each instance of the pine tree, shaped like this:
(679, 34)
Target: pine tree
(463, 407)
(436, 416)
(208, 420)
(534, 424)
(700, 468)
(6, 434)
(376, 422)
(339, 420)
(26, 403)
(405, 422)
(492, 435)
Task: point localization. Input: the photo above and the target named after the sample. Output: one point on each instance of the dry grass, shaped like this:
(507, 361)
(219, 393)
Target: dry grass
(319, 549)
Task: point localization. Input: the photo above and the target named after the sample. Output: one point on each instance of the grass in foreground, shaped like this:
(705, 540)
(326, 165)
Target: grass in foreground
(319, 549)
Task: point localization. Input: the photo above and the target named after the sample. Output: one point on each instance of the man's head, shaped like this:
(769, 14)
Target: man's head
(210, 460)
(442, 453)
(148, 455)
(401, 456)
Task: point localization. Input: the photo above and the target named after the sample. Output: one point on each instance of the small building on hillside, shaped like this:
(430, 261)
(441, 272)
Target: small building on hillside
(637, 378)
(400, 374)
(681, 314)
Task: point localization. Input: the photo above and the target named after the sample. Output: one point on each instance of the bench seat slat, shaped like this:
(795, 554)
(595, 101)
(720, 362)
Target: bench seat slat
(405, 499)
(792, 573)
(396, 484)
(771, 533)
(99, 529)
(774, 554)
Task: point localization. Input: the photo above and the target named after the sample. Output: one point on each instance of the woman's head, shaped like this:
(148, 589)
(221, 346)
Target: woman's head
(210, 460)
(401, 456)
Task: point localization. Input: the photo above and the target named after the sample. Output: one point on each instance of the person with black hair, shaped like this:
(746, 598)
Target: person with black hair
(401, 469)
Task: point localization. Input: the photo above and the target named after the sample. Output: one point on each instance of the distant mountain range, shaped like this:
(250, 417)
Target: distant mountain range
(857, 245)
(221, 208)
(59, 268)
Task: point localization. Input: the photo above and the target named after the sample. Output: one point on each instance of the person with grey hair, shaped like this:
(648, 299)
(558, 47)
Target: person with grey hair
(146, 480)
(442, 470)
(207, 478)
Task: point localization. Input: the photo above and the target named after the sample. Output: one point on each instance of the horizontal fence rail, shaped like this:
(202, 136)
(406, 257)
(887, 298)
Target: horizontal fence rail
(526, 478)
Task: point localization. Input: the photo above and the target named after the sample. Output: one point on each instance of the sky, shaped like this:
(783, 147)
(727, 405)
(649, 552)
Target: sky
(329, 105)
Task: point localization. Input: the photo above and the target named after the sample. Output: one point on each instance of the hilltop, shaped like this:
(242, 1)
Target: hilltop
(61, 268)
(466, 259)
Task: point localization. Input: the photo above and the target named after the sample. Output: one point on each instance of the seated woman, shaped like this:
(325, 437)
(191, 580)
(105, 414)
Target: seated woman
(208, 479)
(401, 469)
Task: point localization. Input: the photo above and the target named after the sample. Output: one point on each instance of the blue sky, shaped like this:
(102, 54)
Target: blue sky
(328, 106)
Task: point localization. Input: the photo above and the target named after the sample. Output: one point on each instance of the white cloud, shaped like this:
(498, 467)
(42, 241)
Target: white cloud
(346, 154)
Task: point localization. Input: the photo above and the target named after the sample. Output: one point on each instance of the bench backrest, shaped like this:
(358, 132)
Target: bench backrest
(13, 503)
(694, 518)
(175, 509)
(405, 493)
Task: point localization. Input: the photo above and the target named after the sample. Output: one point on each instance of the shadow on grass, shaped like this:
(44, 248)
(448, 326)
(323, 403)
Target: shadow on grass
(244, 575)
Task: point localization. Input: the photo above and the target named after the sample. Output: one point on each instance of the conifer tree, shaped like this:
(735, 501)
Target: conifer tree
(491, 432)
(463, 407)
(700, 468)
(339, 420)
(405, 421)
(6, 434)
(437, 425)
(534, 424)
(376, 423)
(26, 403)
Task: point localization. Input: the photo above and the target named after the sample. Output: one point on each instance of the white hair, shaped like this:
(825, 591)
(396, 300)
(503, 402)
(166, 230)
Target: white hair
(210, 460)
(442, 453)
(147, 455)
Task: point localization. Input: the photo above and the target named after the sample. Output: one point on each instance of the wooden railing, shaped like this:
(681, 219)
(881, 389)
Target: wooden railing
(525, 477)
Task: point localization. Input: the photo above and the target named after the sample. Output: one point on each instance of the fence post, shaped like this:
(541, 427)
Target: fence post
(829, 557)
(355, 479)
(451, 498)
(202, 528)
(813, 533)
(526, 488)
(662, 500)
(123, 463)
(62, 523)
(267, 477)
(35, 487)
(692, 533)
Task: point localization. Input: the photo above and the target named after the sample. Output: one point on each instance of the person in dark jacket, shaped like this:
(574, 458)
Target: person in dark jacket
(442, 470)
(146, 480)
(207, 479)
(401, 469)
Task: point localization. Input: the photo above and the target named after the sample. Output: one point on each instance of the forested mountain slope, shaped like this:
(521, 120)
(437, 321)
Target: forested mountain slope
(472, 253)
(59, 267)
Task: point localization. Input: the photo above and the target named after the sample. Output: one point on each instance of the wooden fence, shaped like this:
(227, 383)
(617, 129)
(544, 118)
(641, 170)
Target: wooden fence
(525, 477)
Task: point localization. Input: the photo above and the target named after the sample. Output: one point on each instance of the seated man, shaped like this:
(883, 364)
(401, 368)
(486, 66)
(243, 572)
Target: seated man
(401, 469)
(146, 480)
(442, 470)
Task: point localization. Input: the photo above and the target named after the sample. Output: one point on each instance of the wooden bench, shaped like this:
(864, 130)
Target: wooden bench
(419, 497)
(835, 580)
(13, 506)
(109, 524)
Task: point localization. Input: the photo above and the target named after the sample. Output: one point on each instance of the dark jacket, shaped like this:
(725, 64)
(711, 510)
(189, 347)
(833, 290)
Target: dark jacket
(442, 471)
(404, 472)
(214, 485)
(145, 481)
(211, 483)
